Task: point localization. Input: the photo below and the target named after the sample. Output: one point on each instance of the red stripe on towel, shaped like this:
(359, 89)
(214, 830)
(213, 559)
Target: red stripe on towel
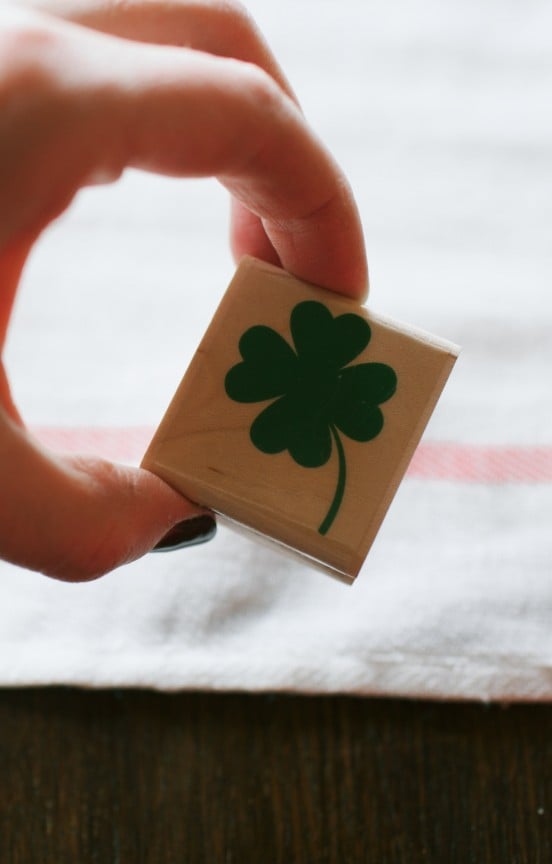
(465, 463)
(470, 463)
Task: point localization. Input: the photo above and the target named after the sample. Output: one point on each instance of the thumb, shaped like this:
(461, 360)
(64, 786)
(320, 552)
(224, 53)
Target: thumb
(77, 518)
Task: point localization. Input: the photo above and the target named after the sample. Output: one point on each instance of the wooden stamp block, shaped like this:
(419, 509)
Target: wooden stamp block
(299, 414)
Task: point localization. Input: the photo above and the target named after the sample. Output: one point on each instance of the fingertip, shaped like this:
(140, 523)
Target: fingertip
(360, 281)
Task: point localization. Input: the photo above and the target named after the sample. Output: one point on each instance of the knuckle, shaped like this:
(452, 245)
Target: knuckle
(261, 113)
(29, 47)
(236, 12)
(234, 25)
(261, 87)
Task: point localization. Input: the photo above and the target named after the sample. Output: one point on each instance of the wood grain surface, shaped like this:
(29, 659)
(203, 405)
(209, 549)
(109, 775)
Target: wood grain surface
(131, 777)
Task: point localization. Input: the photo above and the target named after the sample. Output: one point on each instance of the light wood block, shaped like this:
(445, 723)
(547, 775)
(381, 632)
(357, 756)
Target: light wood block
(344, 397)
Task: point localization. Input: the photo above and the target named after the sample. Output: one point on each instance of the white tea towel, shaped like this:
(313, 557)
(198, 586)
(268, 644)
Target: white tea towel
(440, 115)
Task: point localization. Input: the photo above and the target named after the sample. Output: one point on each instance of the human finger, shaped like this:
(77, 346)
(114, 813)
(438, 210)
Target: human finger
(187, 113)
(202, 116)
(77, 518)
(224, 29)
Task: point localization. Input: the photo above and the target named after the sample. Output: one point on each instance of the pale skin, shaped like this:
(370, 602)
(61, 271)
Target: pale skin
(176, 87)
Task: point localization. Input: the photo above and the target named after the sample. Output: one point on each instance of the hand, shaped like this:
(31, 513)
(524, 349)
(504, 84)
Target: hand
(82, 96)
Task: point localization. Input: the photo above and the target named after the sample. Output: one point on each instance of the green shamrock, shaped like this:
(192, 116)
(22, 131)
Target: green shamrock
(316, 393)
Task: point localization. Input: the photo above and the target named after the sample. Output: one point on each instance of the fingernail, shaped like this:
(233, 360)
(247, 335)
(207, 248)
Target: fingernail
(192, 532)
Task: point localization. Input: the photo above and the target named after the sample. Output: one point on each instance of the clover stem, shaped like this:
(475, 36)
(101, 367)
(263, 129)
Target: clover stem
(340, 489)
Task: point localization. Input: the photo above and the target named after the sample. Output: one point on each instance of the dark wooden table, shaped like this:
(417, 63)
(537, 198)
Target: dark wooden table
(125, 777)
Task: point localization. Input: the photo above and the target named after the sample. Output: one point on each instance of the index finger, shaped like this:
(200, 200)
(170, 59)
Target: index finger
(191, 114)
(183, 112)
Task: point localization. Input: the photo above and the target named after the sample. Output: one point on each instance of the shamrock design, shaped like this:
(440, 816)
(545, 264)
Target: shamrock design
(315, 395)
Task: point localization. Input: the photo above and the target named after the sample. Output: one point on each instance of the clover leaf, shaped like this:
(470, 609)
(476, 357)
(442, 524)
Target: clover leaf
(314, 393)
